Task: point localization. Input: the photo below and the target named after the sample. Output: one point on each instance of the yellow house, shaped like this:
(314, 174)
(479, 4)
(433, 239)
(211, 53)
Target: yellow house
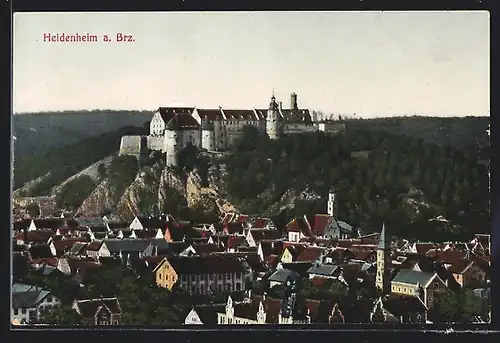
(286, 257)
(468, 273)
(165, 275)
(417, 283)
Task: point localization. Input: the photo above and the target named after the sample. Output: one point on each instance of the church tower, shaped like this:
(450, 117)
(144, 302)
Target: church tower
(383, 279)
(331, 208)
(171, 142)
(273, 119)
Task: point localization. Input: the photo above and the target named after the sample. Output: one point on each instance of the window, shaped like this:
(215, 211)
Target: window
(104, 322)
(23, 311)
(238, 286)
(228, 276)
(115, 322)
(16, 311)
(49, 299)
(230, 320)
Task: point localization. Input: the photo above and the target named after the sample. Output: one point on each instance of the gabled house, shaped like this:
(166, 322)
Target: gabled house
(28, 302)
(469, 272)
(257, 310)
(103, 311)
(254, 236)
(203, 314)
(209, 274)
(282, 276)
(416, 283)
(141, 223)
(297, 229)
(398, 308)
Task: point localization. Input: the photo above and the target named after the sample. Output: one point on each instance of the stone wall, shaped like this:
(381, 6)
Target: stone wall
(156, 143)
(130, 145)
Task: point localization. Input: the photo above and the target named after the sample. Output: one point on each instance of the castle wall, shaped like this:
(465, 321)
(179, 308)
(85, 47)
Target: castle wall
(299, 128)
(189, 136)
(156, 143)
(331, 126)
(208, 140)
(130, 145)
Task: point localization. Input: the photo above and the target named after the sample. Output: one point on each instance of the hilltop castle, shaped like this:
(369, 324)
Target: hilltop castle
(173, 128)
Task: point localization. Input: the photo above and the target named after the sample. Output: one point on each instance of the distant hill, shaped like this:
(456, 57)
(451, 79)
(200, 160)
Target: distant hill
(39, 132)
(458, 132)
(52, 166)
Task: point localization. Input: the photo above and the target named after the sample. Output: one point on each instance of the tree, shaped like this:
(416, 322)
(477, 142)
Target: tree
(448, 306)
(63, 315)
(33, 209)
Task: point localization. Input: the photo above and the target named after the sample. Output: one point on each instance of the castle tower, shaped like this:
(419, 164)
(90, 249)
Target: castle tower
(383, 278)
(207, 135)
(293, 102)
(331, 208)
(171, 142)
(273, 120)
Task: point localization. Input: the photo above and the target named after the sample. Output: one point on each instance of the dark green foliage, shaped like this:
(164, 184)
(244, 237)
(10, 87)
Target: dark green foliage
(40, 132)
(74, 192)
(63, 315)
(175, 204)
(142, 302)
(404, 181)
(33, 209)
(462, 306)
(64, 162)
(190, 158)
(122, 172)
(101, 169)
(331, 289)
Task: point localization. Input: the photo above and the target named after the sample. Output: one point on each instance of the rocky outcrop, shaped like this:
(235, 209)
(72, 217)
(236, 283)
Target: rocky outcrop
(26, 189)
(198, 196)
(92, 171)
(140, 197)
(100, 201)
(170, 181)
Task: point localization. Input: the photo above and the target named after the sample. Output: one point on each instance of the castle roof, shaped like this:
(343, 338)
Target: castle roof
(239, 114)
(167, 113)
(210, 114)
(183, 122)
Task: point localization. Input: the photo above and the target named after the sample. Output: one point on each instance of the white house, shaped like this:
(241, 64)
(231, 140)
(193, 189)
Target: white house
(28, 302)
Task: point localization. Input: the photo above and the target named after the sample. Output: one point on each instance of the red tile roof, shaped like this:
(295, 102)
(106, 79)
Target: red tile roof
(299, 225)
(239, 114)
(64, 244)
(210, 114)
(49, 261)
(89, 307)
(168, 113)
(320, 223)
(36, 236)
(447, 256)
(310, 254)
(208, 264)
(186, 122)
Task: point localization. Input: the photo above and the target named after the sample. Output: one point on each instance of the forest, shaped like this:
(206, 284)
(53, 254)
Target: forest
(402, 180)
(62, 163)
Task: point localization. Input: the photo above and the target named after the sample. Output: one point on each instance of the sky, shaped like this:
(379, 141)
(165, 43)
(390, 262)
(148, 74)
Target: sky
(374, 64)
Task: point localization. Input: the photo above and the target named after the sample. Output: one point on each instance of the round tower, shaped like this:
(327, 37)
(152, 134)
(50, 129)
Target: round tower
(273, 119)
(207, 135)
(171, 142)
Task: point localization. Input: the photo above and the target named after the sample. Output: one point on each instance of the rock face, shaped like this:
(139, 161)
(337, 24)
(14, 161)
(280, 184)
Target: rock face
(169, 182)
(140, 197)
(99, 201)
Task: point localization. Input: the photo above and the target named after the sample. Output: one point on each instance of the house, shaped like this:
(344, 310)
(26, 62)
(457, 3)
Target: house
(179, 232)
(103, 311)
(254, 236)
(399, 308)
(28, 302)
(33, 237)
(282, 276)
(165, 275)
(259, 310)
(141, 223)
(61, 247)
(204, 314)
(209, 274)
(469, 273)
(297, 229)
(422, 284)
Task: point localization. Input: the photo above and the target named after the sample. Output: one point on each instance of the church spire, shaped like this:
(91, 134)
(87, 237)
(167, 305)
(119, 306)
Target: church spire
(384, 242)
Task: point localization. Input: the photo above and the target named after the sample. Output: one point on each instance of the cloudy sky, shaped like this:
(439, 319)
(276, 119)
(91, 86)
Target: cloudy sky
(368, 63)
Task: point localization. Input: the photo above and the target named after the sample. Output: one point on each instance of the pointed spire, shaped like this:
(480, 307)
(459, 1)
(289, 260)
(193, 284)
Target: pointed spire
(384, 241)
